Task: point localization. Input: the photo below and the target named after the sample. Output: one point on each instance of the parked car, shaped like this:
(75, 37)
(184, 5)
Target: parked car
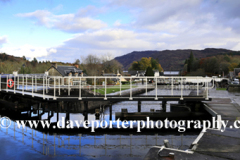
(235, 81)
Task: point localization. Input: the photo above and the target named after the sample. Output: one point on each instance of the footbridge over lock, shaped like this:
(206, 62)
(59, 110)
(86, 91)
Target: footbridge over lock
(106, 88)
(48, 90)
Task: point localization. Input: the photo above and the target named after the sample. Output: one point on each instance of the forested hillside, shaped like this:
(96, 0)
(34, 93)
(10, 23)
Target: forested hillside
(171, 59)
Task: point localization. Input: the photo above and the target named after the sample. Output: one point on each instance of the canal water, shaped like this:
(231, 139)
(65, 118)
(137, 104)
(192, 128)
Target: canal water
(18, 143)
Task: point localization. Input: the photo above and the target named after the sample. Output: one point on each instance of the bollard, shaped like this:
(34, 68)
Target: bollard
(124, 110)
(166, 143)
(110, 112)
(139, 106)
(97, 113)
(171, 155)
(164, 106)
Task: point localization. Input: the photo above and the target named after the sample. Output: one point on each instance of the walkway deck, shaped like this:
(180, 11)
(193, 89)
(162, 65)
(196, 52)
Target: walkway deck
(191, 97)
(214, 144)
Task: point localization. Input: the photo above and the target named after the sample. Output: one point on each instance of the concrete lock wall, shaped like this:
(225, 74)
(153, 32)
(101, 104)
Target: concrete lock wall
(234, 88)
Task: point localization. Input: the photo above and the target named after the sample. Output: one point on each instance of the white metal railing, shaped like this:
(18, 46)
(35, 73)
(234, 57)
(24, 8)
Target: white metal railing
(99, 86)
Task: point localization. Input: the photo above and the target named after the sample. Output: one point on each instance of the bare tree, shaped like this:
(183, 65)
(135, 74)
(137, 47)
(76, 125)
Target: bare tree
(112, 66)
(106, 57)
(92, 65)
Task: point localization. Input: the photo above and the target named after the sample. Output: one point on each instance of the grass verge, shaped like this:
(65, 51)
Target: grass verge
(113, 89)
(221, 89)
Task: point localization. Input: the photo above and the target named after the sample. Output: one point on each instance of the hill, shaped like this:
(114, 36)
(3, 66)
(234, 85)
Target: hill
(9, 63)
(171, 59)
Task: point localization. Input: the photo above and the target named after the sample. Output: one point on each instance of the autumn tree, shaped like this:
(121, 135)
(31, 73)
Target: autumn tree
(144, 63)
(232, 66)
(155, 65)
(135, 66)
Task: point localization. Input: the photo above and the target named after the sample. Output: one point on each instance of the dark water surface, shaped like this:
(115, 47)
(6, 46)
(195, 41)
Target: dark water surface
(29, 144)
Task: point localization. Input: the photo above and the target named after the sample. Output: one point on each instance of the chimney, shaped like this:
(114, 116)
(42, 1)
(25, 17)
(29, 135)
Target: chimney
(54, 64)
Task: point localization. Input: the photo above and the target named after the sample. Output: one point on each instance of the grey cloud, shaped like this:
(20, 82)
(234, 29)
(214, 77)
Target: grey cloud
(155, 11)
(224, 13)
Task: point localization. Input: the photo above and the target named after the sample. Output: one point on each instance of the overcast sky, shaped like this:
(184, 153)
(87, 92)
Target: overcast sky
(64, 30)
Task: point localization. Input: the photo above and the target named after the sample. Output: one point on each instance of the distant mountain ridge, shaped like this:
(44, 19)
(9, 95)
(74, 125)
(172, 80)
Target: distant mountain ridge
(171, 59)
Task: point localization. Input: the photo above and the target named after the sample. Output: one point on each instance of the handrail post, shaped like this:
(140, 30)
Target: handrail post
(32, 87)
(181, 89)
(205, 85)
(146, 86)
(18, 82)
(14, 84)
(7, 84)
(46, 85)
(105, 98)
(26, 82)
(69, 86)
(59, 84)
(94, 85)
(80, 95)
(172, 87)
(43, 88)
(197, 88)
(23, 85)
(213, 83)
(54, 88)
(130, 89)
(156, 98)
(120, 87)
(35, 83)
(207, 92)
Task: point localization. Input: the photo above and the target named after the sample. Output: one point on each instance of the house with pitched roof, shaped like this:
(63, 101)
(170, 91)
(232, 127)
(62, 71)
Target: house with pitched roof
(66, 71)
